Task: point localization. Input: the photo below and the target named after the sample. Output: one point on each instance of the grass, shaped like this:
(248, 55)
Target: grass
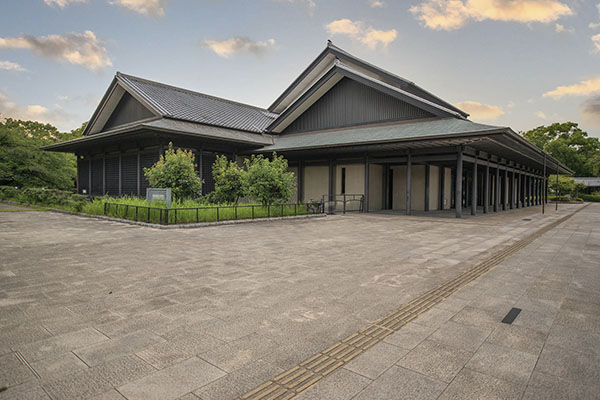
(21, 209)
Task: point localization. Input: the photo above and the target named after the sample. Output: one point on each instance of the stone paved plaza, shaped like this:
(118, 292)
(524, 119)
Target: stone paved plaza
(93, 309)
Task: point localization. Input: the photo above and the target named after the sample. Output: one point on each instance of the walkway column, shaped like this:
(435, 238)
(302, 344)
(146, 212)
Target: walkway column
(528, 190)
(523, 179)
(331, 180)
(505, 187)
(299, 181)
(512, 189)
(458, 188)
(474, 189)
(518, 193)
(427, 194)
(486, 188)
(408, 183)
(497, 189)
(366, 196)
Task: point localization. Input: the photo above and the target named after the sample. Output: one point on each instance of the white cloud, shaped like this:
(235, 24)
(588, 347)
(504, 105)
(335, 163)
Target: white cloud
(561, 29)
(540, 115)
(480, 111)
(11, 66)
(9, 109)
(82, 49)
(594, 25)
(454, 14)
(308, 5)
(229, 47)
(376, 3)
(596, 42)
(582, 88)
(63, 3)
(155, 8)
(368, 36)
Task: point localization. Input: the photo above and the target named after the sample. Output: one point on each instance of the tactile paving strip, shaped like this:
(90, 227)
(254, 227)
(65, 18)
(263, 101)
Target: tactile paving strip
(296, 380)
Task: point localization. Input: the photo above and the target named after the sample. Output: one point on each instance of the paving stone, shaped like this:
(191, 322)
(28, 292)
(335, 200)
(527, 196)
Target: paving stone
(64, 364)
(115, 348)
(239, 381)
(172, 382)
(81, 385)
(535, 320)
(122, 370)
(435, 317)
(110, 395)
(340, 385)
(478, 318)
(581, 368)
(548, 387)
(28, 391)
(472, 385)
(132, 324)
(574, 339)
(237, 353)
(376, 360)
(503, 363)
(461, 336)
(518, 338)
(163, 354)
(57, 345)
(410, 335)
(398, 382)
(12, 371)
(436, 360)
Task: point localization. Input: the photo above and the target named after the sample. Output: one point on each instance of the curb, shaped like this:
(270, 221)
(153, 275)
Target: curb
(179, 226)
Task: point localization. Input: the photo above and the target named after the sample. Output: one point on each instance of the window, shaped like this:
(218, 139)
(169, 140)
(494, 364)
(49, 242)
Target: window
(343, 180)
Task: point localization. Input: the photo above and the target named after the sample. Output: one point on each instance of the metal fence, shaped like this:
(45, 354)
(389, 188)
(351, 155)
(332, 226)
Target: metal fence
(343, 203)
(168, 216)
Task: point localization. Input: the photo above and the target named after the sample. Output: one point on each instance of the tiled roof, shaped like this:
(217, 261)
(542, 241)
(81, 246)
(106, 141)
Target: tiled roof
(186, 105)
(372, 134)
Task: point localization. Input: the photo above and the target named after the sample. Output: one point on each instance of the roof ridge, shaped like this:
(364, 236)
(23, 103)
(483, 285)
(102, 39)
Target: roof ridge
(193, 92)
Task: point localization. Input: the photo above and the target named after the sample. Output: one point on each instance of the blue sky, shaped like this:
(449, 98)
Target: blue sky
(507, 62)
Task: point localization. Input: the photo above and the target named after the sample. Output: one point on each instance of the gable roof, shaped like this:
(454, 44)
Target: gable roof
(166, 101)
(336, 72)
(328, 56)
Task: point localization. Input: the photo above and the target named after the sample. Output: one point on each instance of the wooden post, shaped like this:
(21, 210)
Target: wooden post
(442, 187)
(497, 185)
(427, 182)
(408, 184)
(299, 181)
(505, 187)
(474, 189)
(90, 175)
(366, 195)
(120, 175)
(486, 188)
(331, 180)
(458, 184)
(103, 174)
(139, 175)
(512, 189)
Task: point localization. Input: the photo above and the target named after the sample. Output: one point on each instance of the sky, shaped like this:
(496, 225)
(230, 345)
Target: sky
(517, 63)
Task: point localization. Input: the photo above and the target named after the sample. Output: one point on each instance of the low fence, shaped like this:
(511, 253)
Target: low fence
(343, 203)
(169, 216)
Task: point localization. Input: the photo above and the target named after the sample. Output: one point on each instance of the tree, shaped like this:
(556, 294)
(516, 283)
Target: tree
(175, 170)
(570, 145)
(564, 187)
(269, 180)
(230, 181)
(23, 164)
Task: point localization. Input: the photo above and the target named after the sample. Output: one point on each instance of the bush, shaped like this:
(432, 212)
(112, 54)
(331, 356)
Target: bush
(591, 197)
(44, 197)
(269, 180)
(175, 170)
(230, 181)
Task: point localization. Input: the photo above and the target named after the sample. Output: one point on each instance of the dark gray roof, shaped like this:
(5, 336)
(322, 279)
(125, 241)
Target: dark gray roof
(183, 104)
(415, 129)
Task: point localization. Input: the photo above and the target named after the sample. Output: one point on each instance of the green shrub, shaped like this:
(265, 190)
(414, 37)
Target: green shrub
(175, 170)
(269, 180)
(591, 197)
(230, 181)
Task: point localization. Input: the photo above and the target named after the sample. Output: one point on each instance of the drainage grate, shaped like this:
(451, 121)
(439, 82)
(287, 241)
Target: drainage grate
(526, 219)
(512, 314)
(296, 380)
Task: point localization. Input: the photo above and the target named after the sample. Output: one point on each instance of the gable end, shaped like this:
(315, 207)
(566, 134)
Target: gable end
(127, 110)
(351, 103)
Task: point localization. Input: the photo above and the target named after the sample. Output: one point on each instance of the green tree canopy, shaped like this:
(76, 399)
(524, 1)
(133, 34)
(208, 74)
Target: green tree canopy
(175, 170)
(230, 181)
(269, 180)
(570, 145)
(23, 164)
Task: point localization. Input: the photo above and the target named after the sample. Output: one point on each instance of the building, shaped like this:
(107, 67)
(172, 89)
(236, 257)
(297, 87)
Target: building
(347, 128)
(592, 184)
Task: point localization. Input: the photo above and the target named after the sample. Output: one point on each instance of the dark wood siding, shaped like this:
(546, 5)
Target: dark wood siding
(147, 160)
(83, 168)
(351, 103)
(129, 174)
(128, 110)
(208, 160)
(112, 175)
(97, 176)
